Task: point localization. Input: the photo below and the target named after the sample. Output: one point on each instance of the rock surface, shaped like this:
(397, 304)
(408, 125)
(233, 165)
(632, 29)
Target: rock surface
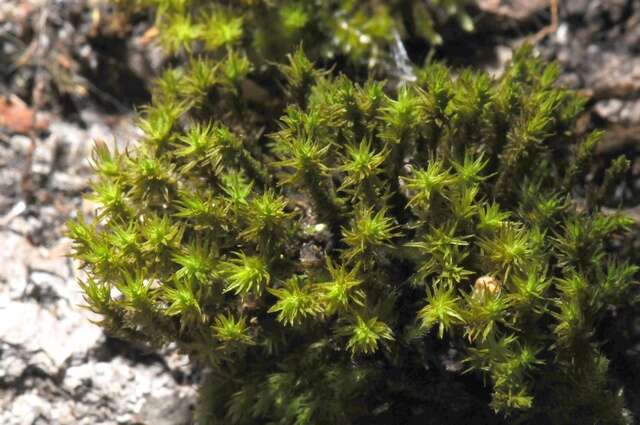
(597, 47)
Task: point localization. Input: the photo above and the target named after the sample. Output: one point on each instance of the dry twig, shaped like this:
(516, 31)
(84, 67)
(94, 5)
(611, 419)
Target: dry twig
(549, 29)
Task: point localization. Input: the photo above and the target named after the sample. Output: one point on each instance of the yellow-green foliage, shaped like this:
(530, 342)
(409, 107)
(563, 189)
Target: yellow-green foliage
(323, 251)
(366, 31)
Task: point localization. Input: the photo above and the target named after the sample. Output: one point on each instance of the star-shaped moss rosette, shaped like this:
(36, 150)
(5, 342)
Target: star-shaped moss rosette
(444, 218)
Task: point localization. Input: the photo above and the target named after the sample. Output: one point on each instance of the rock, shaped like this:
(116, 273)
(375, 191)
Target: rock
(44, 156)
(75, 146)
(618, 138)
(608, 109)
(53, 328)
(507, 15)
(28, 408)
(12, 364)
(503, 55)
(519, 10)
(619, 113)
(86, 392)
(19, 257)
(134, 392)
(612, 74)
(57, 337)
(166, 410)
(13, 274)
(11, 159)
(66, 182)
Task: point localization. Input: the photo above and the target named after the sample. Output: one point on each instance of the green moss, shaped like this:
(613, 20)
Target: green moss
(367, 32)
(442, 216)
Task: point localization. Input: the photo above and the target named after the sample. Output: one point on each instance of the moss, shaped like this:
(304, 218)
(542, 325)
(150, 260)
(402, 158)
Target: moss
(322, 242)
(436, 219)
(367, 33)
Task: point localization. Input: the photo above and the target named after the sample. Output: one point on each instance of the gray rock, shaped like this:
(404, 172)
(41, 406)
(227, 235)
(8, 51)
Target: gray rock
(513, 10)
(612, 74)
(75, 146)
(166, 410)
(27, 408)
(11, 159)
(66, 182)
(13, 273)
(21, 261)
(129, 390)
(58, 334)
(12, 363)
(44, 156)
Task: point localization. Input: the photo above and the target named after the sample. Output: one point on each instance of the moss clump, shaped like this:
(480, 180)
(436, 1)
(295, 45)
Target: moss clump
(324, 262)
(368, 32)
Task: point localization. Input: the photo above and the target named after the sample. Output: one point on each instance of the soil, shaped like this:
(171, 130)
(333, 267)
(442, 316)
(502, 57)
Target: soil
(73, 71)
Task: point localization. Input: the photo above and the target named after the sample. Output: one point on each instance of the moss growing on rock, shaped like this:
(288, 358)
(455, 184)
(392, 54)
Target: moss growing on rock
(323, 250)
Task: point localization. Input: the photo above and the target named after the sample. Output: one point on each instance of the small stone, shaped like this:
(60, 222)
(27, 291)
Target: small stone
(26, 409)
(518, 10)
(44, 156)
(66, 182)
(311, 255)
(78, 379)
(13, 363)
(47, 287)
(609, 109)
(20, 144)
(14, 272)
(166, 410)
(562, 33)
(55, 337)
(503, 55)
